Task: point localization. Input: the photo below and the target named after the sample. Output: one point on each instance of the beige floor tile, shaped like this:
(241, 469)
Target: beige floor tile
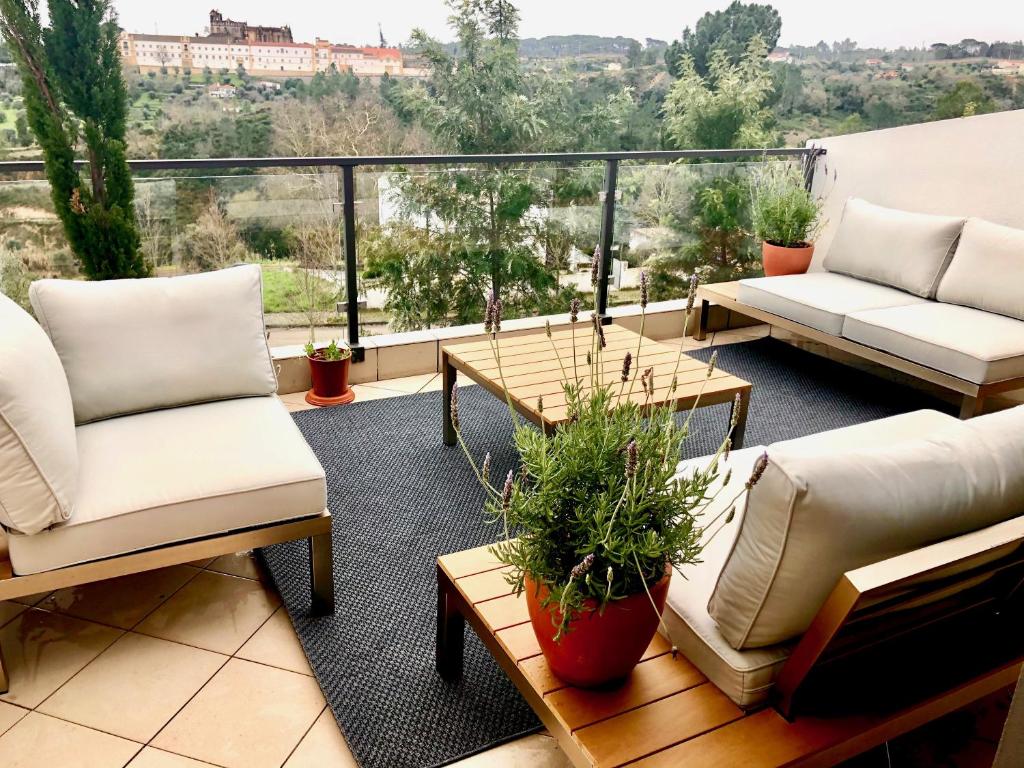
(9, 715)
(155, 758)
(408, 384)
(10, 610)
(690, 343)
(202, 563)
(537, 751)
(43, 650)
(121, 602)
(247, 716)
(276, 644)
(435, 384)
(31, 599)
(737, 335)
(213, 611)
(322, 747)
(239, 564)
(39, 741)
(134, 687)
(365, 392)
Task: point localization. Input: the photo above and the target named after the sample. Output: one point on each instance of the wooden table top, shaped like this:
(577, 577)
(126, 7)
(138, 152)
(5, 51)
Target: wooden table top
(532, 369)
(667, 714)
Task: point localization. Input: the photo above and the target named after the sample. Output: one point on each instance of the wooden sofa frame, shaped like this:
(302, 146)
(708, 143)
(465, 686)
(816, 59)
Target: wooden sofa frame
(897, 645)
(972, 395)
(316, 529)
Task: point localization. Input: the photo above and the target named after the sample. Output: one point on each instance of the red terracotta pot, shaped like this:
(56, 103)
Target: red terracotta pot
(600, 647)
(330, 382)
(780, 260)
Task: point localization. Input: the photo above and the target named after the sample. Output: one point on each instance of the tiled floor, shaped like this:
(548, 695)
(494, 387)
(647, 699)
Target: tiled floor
(198, 665)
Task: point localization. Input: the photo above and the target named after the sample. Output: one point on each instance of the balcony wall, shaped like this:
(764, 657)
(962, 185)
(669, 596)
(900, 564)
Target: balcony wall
(972, 166)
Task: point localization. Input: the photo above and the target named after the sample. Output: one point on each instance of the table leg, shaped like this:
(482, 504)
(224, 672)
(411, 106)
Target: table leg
(702, 321)
(448, 375)
(451, 633)
(743, 404)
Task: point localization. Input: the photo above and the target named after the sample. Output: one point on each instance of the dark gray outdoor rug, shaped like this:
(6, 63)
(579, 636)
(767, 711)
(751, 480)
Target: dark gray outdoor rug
(400, 498)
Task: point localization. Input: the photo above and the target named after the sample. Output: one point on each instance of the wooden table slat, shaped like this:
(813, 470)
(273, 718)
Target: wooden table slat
(641, 732)
(653, 679)
(503, 612)
(519, 641)
(582, 332)
(460, 564)
(486, 585)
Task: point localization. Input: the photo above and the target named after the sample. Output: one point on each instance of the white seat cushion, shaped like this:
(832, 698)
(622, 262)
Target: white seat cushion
(970, 344)
(826, 506)
(38, 457)
(820, 300)
(129, 346)
(902, 249)
(987, 271)
(173, 475)
(746, 677)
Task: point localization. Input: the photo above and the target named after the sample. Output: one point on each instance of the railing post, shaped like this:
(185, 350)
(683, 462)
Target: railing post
(611, 177)
(348, 197)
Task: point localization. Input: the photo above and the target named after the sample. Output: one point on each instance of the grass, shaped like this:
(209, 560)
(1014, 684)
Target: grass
(283, 290)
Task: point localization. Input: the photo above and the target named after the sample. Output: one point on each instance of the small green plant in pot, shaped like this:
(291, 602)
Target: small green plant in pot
(596, 518)
(786, 218)
(328, 371)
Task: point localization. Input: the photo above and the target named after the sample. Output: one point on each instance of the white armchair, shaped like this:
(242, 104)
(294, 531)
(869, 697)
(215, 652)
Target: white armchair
(141, 430)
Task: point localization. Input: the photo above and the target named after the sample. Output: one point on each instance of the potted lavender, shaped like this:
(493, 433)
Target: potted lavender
(595, 520)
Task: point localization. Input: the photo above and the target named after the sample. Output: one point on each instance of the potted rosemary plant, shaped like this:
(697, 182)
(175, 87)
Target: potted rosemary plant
(595, 519)
(785, 216)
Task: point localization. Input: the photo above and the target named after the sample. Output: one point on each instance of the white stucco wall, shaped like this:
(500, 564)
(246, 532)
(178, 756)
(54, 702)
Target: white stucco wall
(971, 166)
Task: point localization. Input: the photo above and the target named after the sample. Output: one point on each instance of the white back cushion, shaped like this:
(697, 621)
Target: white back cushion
(38, 454)
(909, 251)
(136, 345)
(818, 514)
(987, 271)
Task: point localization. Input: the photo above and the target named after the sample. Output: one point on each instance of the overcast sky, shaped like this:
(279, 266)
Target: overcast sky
(882, 23)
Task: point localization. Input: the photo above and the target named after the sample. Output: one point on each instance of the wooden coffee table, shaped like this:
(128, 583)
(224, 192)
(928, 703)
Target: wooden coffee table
(532, 369)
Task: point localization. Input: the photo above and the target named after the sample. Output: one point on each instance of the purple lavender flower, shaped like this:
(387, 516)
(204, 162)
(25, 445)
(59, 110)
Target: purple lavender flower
(580, 569)
(506, 492)
(547, 328)
(540, 403)
(627, 363)
(691, 296)
(485, 470)
(759, 467)
(574, 310)
(644, 289)
(595, 265)
(712, 363)
(497, 315)
(632, 454)
(649, 375)
(599, 329)
(489, 313)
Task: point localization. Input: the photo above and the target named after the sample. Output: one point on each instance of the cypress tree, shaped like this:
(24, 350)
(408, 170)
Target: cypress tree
(75, 95)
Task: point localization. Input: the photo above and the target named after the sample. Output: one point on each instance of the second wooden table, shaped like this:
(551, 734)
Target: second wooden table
(531, 369)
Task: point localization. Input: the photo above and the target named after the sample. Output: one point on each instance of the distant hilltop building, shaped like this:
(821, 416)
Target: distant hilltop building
(260, 51)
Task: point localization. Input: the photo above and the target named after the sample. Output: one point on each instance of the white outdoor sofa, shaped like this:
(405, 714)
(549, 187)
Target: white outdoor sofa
(938, 297)
(869, 561)
(139, 428)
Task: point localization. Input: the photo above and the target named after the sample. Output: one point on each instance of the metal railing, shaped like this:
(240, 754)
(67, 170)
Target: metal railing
(347, 165)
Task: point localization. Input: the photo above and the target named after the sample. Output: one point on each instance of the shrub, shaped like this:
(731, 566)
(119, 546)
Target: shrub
(784, 211)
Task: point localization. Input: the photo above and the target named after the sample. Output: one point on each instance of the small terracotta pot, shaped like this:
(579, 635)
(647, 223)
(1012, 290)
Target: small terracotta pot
(600, 647)
(330, 382)
(780, 260)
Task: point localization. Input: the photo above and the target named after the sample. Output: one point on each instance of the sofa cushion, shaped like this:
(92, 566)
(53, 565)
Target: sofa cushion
(38, 457)
(746, 677)
(172, 475)
(987, 271)
(905, 250)
(819, 300)
(967, 343)
(824, 508)
(134, 345)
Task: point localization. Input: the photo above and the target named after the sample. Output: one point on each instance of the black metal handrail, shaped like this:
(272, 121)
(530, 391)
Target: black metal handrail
(348, 164)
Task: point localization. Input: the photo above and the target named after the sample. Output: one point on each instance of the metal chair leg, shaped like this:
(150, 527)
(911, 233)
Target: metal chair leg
(321, 575)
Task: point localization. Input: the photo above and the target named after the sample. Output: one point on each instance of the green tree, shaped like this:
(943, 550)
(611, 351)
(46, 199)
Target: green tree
(74, 90)
(962, 100)
(477, 100)
(729, 30)
(634, 54)
(21, 129)
(725, 109)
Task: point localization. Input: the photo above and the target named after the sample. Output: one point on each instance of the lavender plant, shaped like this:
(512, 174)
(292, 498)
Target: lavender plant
(596, 512)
